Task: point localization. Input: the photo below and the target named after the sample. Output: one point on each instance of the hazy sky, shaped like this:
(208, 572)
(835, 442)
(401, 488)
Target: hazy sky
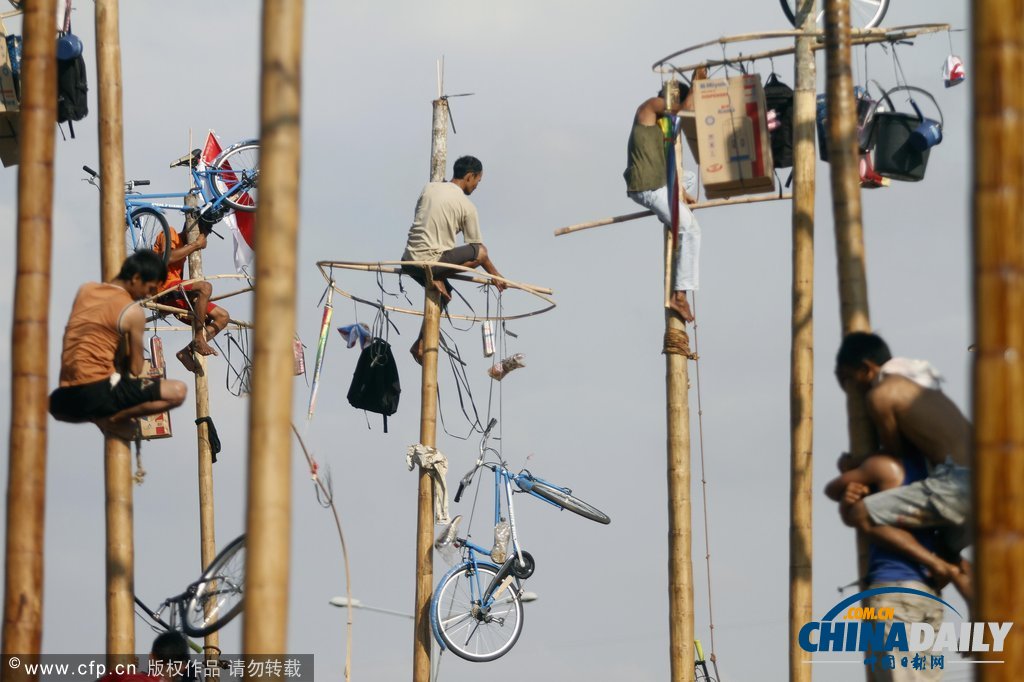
(556, 85)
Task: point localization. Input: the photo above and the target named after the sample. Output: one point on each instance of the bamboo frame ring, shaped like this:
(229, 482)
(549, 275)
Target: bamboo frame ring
(470, 275)
(162, 310)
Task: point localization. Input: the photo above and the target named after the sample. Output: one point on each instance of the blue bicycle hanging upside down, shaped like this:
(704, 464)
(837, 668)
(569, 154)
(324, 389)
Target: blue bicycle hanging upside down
(477, 608)
(228, 182)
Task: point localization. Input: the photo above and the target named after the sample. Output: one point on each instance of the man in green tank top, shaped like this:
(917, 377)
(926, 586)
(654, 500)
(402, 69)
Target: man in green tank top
(646, 184)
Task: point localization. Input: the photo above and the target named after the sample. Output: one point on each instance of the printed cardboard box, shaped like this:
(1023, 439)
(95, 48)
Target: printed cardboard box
(8, 95)
(733, 149)
(155, 425)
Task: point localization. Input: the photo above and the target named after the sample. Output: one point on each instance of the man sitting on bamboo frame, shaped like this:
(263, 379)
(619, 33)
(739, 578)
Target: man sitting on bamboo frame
(443, 211)
(206, 318)
(647, 184)
(913, 418)
(99, 376)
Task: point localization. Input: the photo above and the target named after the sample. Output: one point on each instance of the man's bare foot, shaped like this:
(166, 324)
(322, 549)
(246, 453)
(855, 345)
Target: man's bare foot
(681, 306)
(417, 351)
(442, 290)
(185, 357)
(126, 430)
(202, 348)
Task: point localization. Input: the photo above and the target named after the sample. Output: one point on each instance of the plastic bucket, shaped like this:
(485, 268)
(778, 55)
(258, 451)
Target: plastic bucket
(902, 140)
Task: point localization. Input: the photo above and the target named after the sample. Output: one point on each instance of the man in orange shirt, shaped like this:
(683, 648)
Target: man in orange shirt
(207, 318)
(95, 385)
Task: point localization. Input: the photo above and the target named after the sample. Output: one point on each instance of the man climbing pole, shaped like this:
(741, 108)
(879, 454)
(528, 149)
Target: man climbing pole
(93, 384)
(647, 184)
(442, 211)
(913, 418)
(207, 319)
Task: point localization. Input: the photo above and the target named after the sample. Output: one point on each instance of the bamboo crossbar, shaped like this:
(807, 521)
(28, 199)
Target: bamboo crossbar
(857, 37)
(160, 307)
(643, 214)
(394, 268)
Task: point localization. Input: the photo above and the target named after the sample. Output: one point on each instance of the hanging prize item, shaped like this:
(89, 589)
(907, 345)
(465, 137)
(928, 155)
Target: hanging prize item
(487, 332)
(953, 71)
(299, 356)
(498, 371)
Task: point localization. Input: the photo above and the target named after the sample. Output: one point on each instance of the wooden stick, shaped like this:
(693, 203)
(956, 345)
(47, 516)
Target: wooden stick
(711, 203)
(118, 460)
(467, 274)
(268, 513)
(26, 467)
(998, 391)
(801, 382)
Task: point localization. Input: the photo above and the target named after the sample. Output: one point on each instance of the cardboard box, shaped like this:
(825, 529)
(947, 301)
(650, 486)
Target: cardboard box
(733, 149)
(8, 95)
(10, 132)
(155, 425)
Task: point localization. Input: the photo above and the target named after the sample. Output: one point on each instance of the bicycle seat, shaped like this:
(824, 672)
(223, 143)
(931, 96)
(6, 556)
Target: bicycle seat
(190, 159)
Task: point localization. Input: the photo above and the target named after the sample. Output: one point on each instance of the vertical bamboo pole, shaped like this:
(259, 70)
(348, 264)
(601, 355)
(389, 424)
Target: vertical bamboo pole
(680, 533)
(207, 530)
(268, 514)
(844, 169)
(999, 329)
(801, 382)
(26, 468)
(428, 428)
(118, 461)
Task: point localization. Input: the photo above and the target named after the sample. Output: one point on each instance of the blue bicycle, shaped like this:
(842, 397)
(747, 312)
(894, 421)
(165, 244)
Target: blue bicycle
(229, 183)
(477, 610)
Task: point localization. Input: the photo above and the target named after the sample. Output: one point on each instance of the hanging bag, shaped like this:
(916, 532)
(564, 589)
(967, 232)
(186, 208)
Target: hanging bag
(375, 385)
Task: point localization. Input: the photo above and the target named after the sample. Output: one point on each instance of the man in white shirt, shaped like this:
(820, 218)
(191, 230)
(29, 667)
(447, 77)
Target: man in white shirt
(442, 212)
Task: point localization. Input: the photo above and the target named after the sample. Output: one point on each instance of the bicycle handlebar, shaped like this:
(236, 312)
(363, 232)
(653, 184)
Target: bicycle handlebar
(140, 183)
(468, 478)
(90, 171)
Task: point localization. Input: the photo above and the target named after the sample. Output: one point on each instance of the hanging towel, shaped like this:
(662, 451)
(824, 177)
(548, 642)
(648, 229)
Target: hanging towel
(356, 333)
(921, 372)
(436, 465)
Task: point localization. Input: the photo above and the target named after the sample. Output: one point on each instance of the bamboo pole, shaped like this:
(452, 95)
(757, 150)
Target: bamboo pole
(26, 468)
(999, 329)
(117, 460)
(712, 203)
(680, 531)
(207, 529)
(428, 427)
(268, 513)
(801, 383)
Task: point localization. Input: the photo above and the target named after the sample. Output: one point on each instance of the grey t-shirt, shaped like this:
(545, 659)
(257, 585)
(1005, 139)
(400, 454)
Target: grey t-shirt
(443, 211)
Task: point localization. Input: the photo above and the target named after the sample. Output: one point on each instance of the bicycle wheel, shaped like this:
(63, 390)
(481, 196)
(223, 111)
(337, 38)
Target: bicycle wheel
(145, 224)
(463, 627)
(863, 13)
(235, 174)
(217, 595)
(567, 501)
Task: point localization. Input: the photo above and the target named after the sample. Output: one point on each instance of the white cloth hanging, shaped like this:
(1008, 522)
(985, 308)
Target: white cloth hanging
(436, 465)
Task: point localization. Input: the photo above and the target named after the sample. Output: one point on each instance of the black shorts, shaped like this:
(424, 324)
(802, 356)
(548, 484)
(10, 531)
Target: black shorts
(458, 255)
(99, 399)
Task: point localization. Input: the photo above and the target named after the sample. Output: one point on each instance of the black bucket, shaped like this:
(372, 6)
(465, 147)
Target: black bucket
(895, 156)
(895, 137)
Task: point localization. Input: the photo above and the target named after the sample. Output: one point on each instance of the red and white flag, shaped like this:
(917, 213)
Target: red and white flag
(242, 225)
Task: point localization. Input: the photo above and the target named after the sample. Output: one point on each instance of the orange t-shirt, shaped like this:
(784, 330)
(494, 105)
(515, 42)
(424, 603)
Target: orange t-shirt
(175, 269)
(93, 334)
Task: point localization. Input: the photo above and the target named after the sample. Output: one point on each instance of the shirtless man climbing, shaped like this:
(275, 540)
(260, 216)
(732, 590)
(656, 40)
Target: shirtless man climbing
(95, 384)
(209, 319)
(912, 417)
(443, 211)
(647, 184)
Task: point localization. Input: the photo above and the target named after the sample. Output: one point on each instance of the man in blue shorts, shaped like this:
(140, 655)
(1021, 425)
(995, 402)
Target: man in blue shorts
(98, 383)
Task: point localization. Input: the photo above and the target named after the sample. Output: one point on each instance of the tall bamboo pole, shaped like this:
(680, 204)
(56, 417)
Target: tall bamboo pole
(117, 456)
(268, 514)
(26, 468)
(680, 531)
(428, 427)
(999, 329)
(844, 166)
(207, 530)
(801, 382)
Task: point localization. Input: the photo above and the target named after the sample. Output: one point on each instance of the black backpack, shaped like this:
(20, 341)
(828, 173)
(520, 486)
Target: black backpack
(779, 96)
(375, 386)
(72, 88)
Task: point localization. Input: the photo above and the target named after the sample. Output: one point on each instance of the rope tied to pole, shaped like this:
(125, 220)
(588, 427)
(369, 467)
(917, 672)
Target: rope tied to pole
(677, 342)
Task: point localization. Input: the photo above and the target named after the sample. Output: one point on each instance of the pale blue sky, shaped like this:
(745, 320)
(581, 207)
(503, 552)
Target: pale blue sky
(556, 85)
